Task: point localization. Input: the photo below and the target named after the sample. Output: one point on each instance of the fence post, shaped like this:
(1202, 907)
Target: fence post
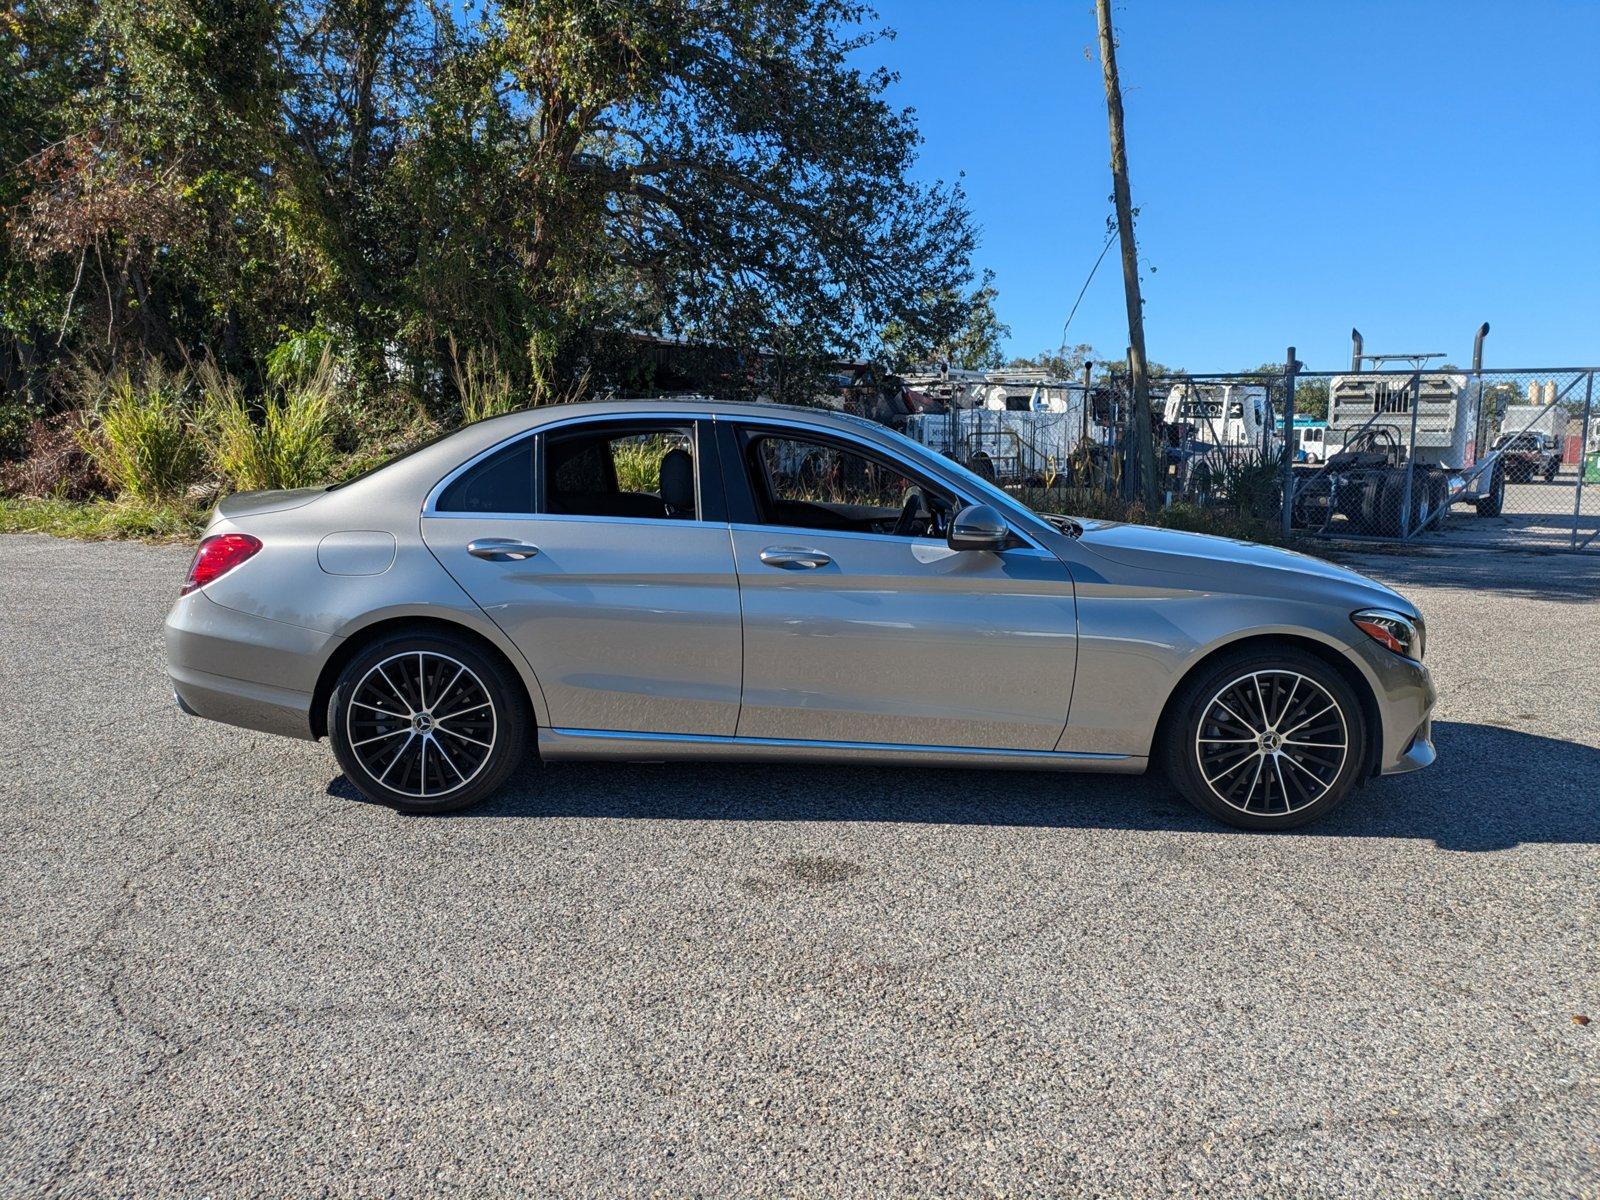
(1083, 434)
(1290, 369)
(950, 433)
(1583, 456)
(1411, 458)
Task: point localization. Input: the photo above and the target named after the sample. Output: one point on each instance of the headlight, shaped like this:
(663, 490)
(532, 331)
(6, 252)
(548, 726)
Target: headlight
(1391, 631)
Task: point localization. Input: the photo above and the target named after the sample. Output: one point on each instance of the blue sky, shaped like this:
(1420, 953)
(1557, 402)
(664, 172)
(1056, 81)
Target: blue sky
(1411, 168)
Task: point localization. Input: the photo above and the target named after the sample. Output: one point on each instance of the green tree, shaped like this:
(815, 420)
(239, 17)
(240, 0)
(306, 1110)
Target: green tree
(540, 178)
(1065, 363)
(973, 331)
(1310, 394)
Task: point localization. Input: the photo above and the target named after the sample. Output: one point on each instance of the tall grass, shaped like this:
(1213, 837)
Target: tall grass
(483, 385)
(289, 444)
(140, 433)
(638, 462)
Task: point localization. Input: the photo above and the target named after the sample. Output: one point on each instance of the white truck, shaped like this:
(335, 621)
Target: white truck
(1220, 414)
(1542, 416)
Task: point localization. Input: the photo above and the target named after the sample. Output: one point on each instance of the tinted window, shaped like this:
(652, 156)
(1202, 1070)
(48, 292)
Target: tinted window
(821, 485)
(614, 472)
(501, 483)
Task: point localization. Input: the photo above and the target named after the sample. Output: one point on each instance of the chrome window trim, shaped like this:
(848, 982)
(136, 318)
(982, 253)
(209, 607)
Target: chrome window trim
(802, 531)
(576, 518)
(936, 462)
(717, 739)
(431, 501)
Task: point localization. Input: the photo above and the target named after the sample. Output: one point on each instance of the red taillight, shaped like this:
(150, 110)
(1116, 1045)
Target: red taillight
(218, 555)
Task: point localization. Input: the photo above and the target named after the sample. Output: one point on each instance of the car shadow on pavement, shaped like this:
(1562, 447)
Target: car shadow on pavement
(1492, 789)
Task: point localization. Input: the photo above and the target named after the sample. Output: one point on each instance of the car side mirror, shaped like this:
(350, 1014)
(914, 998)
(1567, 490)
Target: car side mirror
(979, 527)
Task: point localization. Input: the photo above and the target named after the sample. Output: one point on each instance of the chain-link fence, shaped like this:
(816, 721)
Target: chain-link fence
(1491, 458)
(1507, 458)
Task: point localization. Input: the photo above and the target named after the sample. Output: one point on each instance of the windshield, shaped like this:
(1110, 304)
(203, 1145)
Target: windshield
(1519, 441)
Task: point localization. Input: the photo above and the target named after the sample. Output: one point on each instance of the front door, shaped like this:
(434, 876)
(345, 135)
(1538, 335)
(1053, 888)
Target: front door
(590, 545)
(861, 625)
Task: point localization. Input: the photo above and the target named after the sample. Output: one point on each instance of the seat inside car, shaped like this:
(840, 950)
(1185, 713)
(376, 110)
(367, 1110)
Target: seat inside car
(677, 484)
(583, 481)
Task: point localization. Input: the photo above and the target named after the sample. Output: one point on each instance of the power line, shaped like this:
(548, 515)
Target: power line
(1111, 236)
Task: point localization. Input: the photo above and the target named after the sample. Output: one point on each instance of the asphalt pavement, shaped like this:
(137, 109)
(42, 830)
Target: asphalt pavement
(225, 975)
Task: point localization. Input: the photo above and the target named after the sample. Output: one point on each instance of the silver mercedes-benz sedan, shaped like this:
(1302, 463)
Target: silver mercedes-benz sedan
(653, 580)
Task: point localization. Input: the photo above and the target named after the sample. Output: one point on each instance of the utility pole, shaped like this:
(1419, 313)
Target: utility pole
(1139, 429)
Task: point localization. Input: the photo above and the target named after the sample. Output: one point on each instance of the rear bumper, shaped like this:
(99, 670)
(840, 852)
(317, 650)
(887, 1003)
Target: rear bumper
(243, 670)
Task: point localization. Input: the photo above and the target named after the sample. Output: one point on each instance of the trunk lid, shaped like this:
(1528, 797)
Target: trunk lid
(250, 504)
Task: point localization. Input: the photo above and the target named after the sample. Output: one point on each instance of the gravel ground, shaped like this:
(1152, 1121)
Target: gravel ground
(224, 975)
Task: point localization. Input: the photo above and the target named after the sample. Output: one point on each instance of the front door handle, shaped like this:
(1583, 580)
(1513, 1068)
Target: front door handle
(501, 549)
(794, 558)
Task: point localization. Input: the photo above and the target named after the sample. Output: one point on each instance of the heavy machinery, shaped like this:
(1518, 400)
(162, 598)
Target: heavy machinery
(1401, 447)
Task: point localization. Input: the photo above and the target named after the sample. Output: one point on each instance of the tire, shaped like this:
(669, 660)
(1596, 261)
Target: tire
(455, 747)
(1366, 512)
(1492, 504)
(982, 466)
(1206, 735)
(1439, 497)
(1389, 505)
(1428, 491)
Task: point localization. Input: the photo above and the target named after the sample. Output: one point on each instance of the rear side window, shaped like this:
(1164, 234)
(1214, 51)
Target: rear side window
(612, 471)
(501, 483)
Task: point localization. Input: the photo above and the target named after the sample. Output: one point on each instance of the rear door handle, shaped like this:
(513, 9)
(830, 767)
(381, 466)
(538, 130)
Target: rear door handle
(501, 549)
(794, 558)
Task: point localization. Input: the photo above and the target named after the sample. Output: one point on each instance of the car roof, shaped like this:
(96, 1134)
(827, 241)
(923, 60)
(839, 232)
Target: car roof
(710, 404)
(530, 418)
(419, 471)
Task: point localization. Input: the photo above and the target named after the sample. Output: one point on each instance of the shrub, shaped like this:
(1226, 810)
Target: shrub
(54, 464)
(140, 435)
(1252, 486)
(289, 446)
(17, 418)
(383, 427)
(300, 356)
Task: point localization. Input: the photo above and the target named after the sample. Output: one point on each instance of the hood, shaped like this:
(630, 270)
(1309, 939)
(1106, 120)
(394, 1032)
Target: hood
(250, 504)
(1226, 560)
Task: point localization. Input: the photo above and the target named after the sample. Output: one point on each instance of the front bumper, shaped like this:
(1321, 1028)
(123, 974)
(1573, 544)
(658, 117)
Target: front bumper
(1405, 694)
(230, 666)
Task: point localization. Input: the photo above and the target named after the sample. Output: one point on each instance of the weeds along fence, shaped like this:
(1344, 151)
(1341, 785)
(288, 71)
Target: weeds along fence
(1494, 458)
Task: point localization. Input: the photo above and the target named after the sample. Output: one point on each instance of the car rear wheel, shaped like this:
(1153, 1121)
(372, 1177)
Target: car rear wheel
(1267, 739)
(427, 723)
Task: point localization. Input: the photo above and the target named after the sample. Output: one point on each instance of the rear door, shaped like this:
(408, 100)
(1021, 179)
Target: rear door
(601, 547)
(862, 626)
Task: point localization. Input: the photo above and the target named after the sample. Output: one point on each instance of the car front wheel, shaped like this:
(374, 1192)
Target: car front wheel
(427, 723)
(1266, 739)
